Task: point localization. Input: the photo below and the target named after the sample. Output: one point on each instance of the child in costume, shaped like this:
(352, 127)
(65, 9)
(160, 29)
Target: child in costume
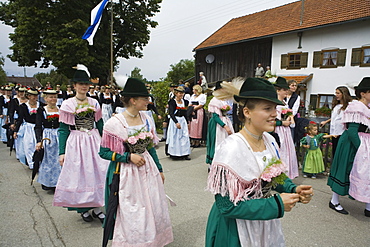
(313, 162)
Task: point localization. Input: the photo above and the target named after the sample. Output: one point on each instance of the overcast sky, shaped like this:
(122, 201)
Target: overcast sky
(183, 24)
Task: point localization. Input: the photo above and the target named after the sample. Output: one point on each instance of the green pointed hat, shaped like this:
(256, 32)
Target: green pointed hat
(81, 76)
(281, 82)
(258, 88)
(135, 88)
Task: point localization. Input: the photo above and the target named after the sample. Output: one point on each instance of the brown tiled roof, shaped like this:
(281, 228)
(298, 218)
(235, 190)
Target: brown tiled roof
(25, 81)
(287, 18)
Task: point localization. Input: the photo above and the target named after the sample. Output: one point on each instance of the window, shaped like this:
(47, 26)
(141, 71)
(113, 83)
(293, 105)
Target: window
(366, 56)
(329, 58)
(325, 100)
(294, 60)
(361, 56)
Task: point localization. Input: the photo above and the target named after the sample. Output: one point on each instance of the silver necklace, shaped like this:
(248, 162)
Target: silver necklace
(132, 115)
(257, 137)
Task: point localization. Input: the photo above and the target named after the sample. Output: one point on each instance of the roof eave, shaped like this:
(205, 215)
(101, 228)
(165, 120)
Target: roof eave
(282, 33)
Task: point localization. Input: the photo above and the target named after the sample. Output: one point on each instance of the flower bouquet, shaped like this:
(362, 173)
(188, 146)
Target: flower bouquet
(224, 109)
(274, 173)
(33, 111)
(285, 113)
(181, 108)
(84, 109)
(52, 117)
(140, 141)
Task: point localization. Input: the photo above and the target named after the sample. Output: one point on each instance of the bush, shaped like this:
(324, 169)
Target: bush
(160, 91)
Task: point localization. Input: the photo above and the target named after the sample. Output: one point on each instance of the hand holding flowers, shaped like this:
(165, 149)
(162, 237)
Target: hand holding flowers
(274, 174)
(285, 113)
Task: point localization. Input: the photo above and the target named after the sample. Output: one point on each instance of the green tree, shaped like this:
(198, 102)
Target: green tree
(184, 69)
(160, 92)
(2, 72)
(136, 73)
(53, 77)
(49, 32)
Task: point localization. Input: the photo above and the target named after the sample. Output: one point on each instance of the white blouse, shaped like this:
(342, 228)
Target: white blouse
(337, 126)
(201, 98)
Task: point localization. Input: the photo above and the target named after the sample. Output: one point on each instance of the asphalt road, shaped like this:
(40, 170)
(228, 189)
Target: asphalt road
(27, 217)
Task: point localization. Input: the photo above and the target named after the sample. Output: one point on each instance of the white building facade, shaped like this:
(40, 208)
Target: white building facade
(335, 55)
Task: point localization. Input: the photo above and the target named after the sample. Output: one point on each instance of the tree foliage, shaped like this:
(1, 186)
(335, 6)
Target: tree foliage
(136, 73)
(160, 91)
(2, 72)
(53, 77)
(183, 70)
(49, 32)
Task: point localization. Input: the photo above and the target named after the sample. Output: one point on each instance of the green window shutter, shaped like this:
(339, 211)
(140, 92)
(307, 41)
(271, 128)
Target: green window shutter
(356, 56)
(284, 61)
(316, 59)
(304, 58)
(341, 57)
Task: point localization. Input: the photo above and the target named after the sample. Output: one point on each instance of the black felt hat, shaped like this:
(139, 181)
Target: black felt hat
(364, 84)
(173, 84)
(218, 85)
(258, 88)
(281, 82)
(135, 88)
(81, 76)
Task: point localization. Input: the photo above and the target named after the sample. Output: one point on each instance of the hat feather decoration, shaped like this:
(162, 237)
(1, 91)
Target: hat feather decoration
(121, 80)
(272, 80)
(230, 89)
(352, 84)
(82, 67)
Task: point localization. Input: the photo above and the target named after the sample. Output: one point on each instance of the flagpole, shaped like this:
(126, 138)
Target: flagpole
(111, 43)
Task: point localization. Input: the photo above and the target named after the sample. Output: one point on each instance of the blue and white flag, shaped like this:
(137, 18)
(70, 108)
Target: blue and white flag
(96, 15)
